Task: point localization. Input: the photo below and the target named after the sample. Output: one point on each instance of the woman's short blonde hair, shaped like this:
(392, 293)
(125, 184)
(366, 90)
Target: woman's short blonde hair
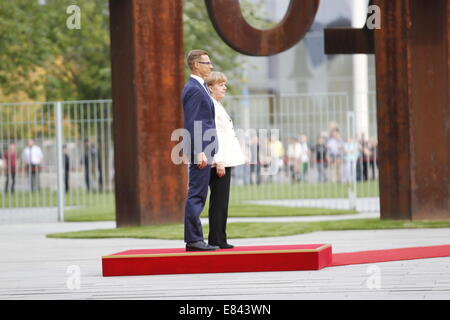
(215, 77)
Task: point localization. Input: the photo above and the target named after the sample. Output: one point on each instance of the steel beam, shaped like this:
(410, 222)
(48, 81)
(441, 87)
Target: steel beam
(147, 79)
(413, 108)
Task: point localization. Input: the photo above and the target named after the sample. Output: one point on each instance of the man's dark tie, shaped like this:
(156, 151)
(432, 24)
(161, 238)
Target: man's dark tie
(209, 93)
(206, 87)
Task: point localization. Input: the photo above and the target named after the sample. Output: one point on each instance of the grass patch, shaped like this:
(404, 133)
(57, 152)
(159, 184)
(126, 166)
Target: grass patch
(49, 198)
(239, 193)
(89, 214)
(100, 213)
(251, 210)
(274, 191)
(252, 230)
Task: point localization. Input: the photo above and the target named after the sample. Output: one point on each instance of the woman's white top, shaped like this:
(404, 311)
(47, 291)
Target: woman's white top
(230, 153)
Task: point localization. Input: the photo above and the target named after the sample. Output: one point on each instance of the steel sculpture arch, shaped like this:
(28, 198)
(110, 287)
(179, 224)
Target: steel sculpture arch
(226, 17)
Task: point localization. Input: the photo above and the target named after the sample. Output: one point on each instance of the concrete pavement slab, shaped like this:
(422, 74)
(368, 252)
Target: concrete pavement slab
(35, 267)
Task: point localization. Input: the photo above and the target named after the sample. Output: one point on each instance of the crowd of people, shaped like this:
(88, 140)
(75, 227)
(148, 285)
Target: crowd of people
(32, 157)
(30, 162)
(330, 159)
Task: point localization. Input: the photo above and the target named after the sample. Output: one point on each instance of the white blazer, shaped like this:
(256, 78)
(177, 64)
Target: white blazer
(230, 153)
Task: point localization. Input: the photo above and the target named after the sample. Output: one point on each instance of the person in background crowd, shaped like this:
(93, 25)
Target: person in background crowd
(321, 159)
(373, 156)
(363, 160)
(255, 163)
(265, 158)
(305, 156)
(32, 157)
(242, 173)
(66, 168)
(92, 166)
(277, 154)
(334, 152)
(10, 167)
(294, 154)
(350, 158)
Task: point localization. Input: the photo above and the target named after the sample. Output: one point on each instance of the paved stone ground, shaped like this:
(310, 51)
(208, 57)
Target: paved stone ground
(35, 267)
(28, 215)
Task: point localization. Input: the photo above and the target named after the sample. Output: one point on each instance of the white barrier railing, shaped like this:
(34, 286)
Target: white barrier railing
(81, 143)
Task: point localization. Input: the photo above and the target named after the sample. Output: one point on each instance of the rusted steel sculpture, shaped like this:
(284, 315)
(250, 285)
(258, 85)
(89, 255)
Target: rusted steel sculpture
(147, 78)
(413, 98)
(226, 16)
(413, 104)
(412, 61)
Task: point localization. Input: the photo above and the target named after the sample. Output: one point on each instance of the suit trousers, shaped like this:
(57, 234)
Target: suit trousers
(195, 202)
(218, 206)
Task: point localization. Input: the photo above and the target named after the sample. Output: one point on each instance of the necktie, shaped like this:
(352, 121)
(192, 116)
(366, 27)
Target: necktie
(206, 87)
(212, 104)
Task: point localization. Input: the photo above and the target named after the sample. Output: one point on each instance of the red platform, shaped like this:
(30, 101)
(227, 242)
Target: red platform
(238, 259)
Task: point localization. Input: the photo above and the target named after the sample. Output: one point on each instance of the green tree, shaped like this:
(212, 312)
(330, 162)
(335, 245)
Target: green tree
(199, 33)
(81, 67)
(75, 63)
(24, 46)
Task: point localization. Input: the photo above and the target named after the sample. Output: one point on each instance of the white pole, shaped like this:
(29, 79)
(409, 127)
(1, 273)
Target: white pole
(360, 74)
(59, 162)
(350, 169)
(245, 102)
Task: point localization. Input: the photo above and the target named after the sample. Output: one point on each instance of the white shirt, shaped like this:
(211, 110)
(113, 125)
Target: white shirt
(305, 152)
(202, 82)
(32, 155)
(230, 153)
(294, 151)
(334, 146)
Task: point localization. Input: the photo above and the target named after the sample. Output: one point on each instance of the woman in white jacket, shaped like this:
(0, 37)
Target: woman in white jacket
(228, 156)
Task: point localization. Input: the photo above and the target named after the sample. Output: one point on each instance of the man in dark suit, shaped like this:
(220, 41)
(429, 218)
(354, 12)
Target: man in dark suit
(199, 116)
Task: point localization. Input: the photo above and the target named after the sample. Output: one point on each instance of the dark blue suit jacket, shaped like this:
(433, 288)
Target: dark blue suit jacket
(199, 113)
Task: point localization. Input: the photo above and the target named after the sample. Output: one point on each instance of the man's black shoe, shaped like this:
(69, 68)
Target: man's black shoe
(200, 246)
(225, 246)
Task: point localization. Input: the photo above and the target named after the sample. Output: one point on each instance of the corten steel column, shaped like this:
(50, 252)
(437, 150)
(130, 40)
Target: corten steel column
(413, 103)
(147, 79)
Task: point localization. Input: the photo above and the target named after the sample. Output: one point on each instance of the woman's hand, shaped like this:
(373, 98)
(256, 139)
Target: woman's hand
(202, 161)
(220, 170)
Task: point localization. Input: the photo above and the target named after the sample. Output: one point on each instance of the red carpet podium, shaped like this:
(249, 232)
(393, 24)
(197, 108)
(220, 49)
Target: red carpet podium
(238, 259)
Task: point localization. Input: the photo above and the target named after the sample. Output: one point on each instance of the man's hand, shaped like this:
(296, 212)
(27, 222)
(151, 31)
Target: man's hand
(220, 170)
(202, 161)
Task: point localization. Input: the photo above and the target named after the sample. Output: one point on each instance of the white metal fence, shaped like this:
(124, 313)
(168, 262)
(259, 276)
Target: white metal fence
(78, 133)
(316, 176)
